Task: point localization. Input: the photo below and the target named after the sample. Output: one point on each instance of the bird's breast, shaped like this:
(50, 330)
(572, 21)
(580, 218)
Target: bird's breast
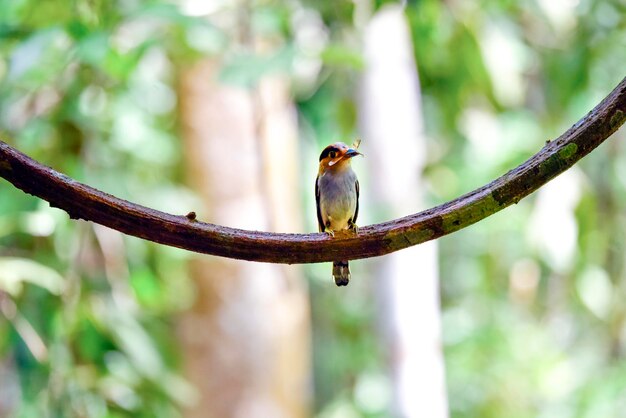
(337, 198)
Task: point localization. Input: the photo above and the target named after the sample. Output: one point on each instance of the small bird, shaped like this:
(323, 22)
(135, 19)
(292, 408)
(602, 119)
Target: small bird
(337, 198)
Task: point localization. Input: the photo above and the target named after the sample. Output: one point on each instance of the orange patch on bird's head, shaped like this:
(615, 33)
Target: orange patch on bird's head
(335, 154)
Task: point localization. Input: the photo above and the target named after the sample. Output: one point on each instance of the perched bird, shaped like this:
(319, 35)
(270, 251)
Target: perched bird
(337, 198)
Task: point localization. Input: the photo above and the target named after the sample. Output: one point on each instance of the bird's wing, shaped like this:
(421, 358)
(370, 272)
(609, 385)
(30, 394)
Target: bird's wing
(356, 211)
(320, 221)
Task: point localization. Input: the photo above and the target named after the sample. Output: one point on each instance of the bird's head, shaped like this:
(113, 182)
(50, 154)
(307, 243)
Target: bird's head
(337, 156)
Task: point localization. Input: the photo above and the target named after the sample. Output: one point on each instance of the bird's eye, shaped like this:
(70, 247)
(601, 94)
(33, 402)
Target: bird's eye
(332, 154)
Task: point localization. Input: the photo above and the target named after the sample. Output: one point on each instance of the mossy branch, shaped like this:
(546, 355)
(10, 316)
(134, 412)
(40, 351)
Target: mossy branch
(82, 201)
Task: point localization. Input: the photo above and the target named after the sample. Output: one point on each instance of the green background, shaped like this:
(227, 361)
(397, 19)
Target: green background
(534, 323)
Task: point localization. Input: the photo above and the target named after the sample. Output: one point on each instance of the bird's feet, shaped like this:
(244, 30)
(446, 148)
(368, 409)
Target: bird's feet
(327, 228)
(353, 227)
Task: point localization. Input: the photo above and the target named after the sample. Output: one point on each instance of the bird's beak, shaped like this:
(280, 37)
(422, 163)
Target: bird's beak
(351, 153)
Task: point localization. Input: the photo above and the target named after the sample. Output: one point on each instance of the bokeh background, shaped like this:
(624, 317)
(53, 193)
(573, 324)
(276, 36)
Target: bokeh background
(222, 107)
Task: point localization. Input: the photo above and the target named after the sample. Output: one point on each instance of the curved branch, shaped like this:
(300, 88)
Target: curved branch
(82, 201)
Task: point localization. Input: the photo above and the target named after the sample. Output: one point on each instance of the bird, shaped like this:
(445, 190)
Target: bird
(337, 198)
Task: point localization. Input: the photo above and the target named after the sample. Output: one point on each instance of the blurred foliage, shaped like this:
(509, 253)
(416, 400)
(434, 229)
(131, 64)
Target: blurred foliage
(533, 311)
(88, 87)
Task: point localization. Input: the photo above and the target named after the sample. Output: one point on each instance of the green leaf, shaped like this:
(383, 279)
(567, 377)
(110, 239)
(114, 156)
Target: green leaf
(336, 55)
(15, 271)
(247, 69)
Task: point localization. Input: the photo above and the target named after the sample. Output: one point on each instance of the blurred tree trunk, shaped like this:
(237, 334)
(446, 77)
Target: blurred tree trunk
(246, 340)
(392, 126)
(10, 391)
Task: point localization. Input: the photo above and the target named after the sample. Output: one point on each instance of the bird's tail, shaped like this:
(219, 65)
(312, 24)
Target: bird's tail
(341, 273)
